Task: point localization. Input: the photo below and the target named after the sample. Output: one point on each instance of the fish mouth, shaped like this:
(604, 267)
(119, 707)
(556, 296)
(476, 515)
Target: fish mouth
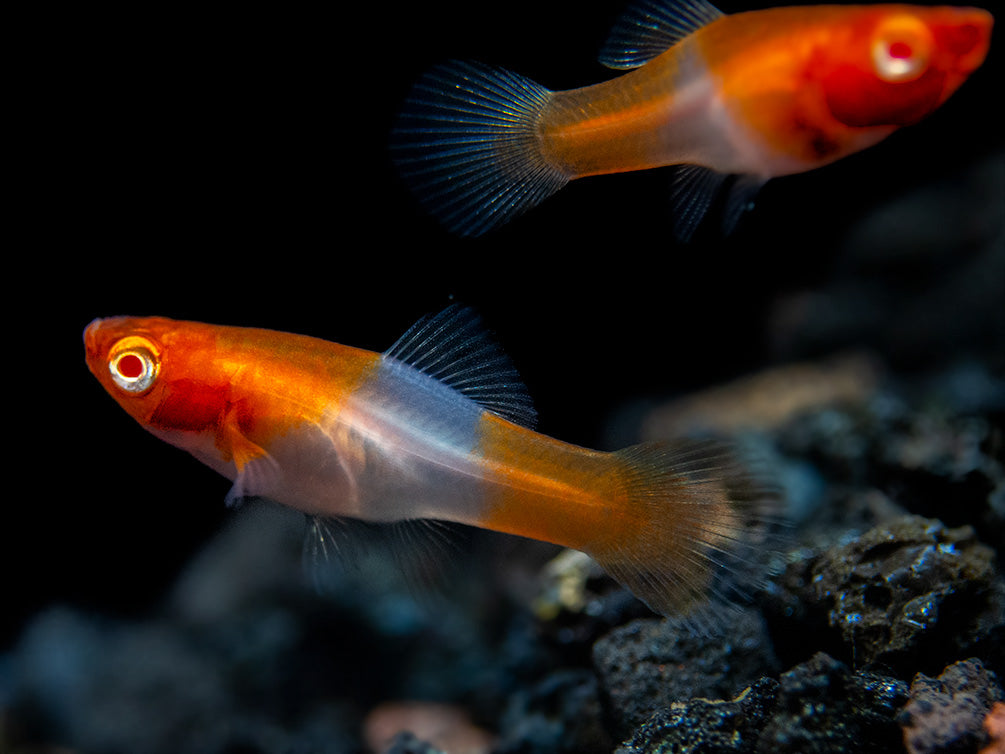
(89, 332)
(967, 36)
(91, 344)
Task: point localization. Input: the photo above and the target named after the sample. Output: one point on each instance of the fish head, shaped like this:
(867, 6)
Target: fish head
(893, 65)
(125, 354)
(153, 368)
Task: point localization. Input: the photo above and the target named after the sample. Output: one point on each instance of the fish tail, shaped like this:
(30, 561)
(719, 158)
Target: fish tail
(466, 142)
(694, 528)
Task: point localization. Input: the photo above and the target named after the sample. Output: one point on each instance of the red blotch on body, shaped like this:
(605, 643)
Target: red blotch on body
(958, 40)
(858, 98)
(192, 406)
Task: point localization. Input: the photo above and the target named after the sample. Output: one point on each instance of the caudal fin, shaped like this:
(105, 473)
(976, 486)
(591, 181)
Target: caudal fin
(697, 528)
(467, 145)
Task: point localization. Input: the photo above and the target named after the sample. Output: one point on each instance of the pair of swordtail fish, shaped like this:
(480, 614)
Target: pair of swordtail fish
(438, 428)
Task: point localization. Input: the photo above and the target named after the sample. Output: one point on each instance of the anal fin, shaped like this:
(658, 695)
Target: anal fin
(423, 551)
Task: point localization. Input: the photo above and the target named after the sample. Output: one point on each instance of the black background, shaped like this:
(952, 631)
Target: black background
(228, 164)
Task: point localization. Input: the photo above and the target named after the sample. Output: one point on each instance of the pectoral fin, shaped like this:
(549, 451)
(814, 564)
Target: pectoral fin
(257, 471)
(696, 189)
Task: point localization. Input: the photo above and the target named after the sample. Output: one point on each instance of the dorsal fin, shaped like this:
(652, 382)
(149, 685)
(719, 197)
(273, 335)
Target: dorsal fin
(651, 27)
(454, 348)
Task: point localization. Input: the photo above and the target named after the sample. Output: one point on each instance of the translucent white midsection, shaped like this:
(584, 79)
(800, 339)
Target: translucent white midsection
(405, 447)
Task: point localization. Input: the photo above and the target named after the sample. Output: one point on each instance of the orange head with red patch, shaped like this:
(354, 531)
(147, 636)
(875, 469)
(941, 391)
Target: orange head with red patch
(900, 63)
(159, 373)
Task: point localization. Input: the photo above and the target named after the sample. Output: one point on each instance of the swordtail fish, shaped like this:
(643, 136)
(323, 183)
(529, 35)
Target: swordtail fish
(436, 428)
(755, 95)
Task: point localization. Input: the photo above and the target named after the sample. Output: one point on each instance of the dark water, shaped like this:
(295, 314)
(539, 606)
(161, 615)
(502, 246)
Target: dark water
(228, 166)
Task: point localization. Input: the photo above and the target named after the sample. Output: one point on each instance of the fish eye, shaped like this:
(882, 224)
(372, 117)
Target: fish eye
(901, 48)
(133, 364)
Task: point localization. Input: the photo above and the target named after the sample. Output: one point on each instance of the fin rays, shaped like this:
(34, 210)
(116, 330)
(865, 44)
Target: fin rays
(704, 520)
(421, 549)
(454, 348)
(466, 142)
(650, 27)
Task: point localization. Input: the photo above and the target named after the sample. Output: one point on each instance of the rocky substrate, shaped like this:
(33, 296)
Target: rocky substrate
(882, 629)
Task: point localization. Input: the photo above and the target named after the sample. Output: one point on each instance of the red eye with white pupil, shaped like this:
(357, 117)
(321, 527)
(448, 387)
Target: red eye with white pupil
(133, 369)
(901, 49)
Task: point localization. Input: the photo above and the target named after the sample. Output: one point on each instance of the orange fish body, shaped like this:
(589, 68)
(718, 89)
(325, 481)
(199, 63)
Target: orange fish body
(757, 94)
(421, 432)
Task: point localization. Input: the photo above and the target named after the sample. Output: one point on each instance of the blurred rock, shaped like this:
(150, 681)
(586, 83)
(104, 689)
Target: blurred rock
(151, 689)
(649, 663)
(994, 727)
(818, 706)
(896, 488)
(700, 726)
(918, 280)
(767, 399)
(561, 714)
(445, 727)
(945, 714)
(409, 743)
(824, 707)
(911, 594)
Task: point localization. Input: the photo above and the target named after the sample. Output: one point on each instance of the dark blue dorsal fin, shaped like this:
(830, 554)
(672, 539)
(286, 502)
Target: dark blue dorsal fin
(454, 348)
(651, 27)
